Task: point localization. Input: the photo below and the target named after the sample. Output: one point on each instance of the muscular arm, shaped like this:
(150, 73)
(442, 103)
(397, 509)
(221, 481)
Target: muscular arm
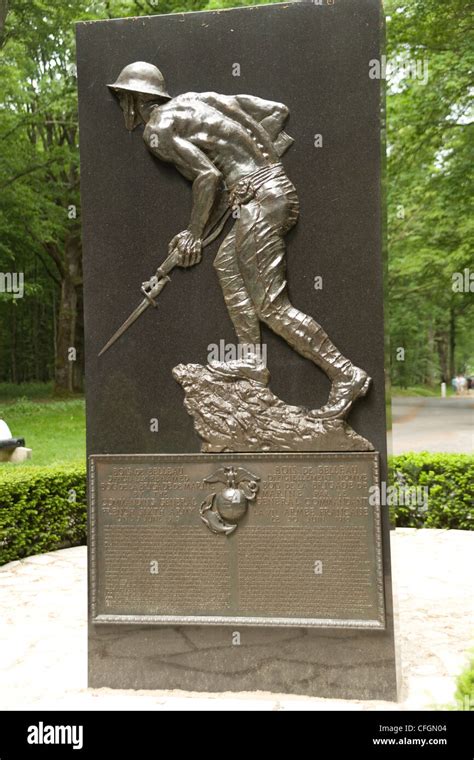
(270, 114)
(193, 164)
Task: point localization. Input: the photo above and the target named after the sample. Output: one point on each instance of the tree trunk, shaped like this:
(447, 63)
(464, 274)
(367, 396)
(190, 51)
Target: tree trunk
(13, 344)
(452, 342)
(67, 319)
(442, 345)
(429, 378)
(3, 18)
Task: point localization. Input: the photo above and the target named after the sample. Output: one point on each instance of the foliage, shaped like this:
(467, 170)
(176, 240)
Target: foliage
(429, 188)
(39, 182)
(450, 482)
(465, 687)
(41, 509)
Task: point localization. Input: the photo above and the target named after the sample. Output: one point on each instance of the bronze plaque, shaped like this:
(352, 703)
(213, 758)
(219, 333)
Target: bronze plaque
(239, 539)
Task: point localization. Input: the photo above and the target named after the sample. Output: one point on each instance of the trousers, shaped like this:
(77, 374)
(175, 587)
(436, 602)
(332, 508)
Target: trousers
(251, 267)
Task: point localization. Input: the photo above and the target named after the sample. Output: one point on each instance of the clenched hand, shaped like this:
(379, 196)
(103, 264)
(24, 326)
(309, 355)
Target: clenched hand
(188, 247)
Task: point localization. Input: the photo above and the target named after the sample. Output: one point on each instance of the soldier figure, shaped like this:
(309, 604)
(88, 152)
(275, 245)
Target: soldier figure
(229, 147)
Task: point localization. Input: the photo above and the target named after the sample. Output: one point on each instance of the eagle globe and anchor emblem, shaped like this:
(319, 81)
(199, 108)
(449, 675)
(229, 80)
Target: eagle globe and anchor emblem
(222, 510)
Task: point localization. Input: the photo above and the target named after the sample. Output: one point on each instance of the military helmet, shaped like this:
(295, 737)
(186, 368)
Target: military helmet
(141, 77)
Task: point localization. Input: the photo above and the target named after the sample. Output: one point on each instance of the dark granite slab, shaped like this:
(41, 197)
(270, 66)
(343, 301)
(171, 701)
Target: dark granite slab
(314, 58)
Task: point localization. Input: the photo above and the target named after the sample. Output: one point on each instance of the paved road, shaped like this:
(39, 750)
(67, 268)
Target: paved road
(433, 424)
(43, 635)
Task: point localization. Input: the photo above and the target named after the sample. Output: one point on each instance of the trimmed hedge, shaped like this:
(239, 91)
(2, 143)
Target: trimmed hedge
(44, 508)
(450, 480)
(41, 509)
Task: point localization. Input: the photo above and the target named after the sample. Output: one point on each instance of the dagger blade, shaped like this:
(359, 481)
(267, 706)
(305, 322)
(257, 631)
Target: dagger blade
(143, 306)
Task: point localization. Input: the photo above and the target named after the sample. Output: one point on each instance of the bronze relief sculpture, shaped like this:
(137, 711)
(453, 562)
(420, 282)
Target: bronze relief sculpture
(230, 148)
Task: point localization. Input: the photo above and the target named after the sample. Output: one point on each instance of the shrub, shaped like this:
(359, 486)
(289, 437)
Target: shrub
(41, 509)
(450, 482)
(465, 688)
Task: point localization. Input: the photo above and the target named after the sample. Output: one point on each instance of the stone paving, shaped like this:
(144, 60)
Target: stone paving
(433, 424)
(43, 634)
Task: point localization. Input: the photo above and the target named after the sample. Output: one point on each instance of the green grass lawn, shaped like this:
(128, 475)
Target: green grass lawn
(55, 430)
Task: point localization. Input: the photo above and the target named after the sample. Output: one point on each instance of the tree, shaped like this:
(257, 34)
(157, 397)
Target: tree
(429, 181)
(39, 162)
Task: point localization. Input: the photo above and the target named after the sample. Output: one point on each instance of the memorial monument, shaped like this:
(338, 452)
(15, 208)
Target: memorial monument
(236, 536)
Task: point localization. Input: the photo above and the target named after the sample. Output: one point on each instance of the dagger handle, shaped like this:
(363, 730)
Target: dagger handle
(168, 264)
(153, 287)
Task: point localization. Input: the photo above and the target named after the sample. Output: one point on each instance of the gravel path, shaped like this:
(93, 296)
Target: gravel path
(433, 424)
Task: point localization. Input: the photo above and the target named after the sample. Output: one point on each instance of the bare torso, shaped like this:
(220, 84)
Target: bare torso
(218, 126)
